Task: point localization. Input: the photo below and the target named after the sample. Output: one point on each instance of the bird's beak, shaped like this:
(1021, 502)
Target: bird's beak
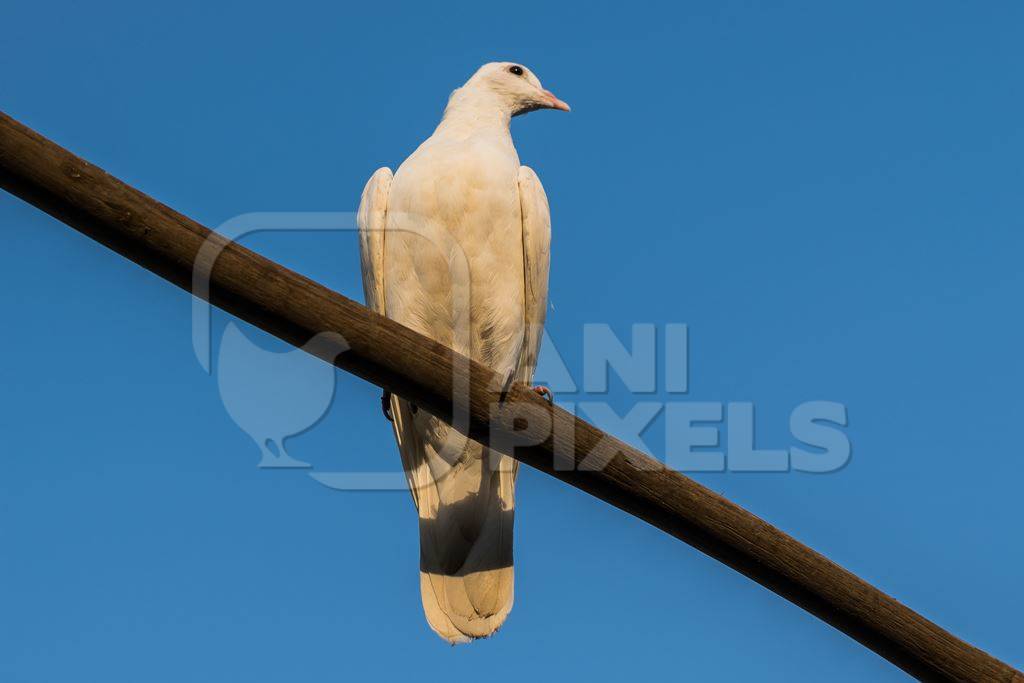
(553, 102)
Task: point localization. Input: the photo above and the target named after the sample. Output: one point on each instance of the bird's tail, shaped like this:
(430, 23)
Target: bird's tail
(462, 608)
(465, 496)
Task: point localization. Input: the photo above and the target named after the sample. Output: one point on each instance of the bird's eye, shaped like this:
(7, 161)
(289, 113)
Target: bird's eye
(517, 70)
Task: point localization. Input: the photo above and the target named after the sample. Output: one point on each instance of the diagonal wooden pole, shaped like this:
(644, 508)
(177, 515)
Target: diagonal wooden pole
(381, 351)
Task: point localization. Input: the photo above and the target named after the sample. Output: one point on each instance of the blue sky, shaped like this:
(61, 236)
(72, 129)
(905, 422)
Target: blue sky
(828, 194)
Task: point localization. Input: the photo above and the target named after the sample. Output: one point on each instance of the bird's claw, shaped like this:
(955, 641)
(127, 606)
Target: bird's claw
(545, 392)
(385, 405)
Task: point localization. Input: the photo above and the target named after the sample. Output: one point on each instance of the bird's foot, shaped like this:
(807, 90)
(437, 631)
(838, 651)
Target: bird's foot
(385, 405)
(545, 392)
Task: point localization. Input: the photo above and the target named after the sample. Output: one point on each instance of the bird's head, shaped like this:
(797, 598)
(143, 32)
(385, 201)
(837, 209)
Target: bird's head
(514, 86)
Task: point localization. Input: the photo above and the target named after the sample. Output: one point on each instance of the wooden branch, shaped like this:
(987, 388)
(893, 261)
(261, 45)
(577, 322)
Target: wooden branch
(381, 351)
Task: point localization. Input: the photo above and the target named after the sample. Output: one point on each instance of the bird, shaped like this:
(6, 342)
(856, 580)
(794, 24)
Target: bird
(456, 245)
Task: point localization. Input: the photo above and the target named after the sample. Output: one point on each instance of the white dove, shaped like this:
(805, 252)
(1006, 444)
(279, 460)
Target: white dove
(456, 246)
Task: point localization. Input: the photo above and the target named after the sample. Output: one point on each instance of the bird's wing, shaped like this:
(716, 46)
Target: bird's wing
(536, 261)
(372, 217)
(372, 222)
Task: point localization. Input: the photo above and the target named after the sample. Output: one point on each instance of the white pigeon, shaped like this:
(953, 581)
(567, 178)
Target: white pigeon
(456, 246)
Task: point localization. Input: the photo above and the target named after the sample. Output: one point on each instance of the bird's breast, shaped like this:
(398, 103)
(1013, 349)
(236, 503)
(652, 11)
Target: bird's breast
(454, 250)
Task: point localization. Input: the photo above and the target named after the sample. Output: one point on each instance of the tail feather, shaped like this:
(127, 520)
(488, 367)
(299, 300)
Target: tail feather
(465, 497)
(462, 608)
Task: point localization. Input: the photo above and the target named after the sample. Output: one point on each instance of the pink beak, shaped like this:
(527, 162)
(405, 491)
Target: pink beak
(554, 102)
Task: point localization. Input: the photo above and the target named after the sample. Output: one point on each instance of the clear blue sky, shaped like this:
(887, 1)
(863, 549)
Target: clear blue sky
(829, 194)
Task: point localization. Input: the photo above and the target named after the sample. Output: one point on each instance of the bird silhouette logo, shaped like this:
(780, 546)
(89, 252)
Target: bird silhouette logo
(272, 396)
(269, 395)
